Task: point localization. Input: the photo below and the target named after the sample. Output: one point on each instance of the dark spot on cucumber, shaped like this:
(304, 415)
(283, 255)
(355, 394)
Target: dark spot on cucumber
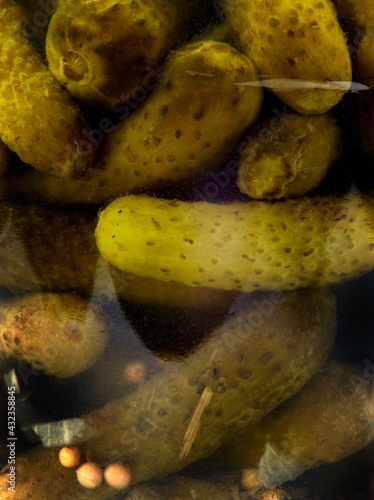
(72, 332)
(220, 388)
(244, 374)
(164, 111)
(193, 380)
(266, 357)
(199, 114)
(156, 223)
(200, 388)
(273, 22)
(276, 367)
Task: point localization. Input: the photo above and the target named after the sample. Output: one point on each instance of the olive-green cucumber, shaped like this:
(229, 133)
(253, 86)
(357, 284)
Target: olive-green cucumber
(262, 355)
(330, 418)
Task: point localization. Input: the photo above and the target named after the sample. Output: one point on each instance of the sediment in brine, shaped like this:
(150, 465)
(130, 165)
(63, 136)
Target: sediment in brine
(39, 120)
(61, 334)
(107, 53)
(361, 12)
(298, 48)
(291, 159)
(281, 245)
(331, 418)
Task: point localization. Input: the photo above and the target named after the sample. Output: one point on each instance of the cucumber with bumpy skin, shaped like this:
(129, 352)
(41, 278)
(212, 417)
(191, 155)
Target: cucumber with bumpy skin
(291, 160)
(39, 120)
(46, 250)
(61, 334)
(289, 40)
(105, 52)
(360, 12)
(54, 250)
(249, 246)
(263, 354)
(331, 418)
(191, 122)
(187, 126)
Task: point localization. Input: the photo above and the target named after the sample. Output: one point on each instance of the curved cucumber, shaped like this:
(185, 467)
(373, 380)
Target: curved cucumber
(263, 354)
(39, 120)
(331, 418)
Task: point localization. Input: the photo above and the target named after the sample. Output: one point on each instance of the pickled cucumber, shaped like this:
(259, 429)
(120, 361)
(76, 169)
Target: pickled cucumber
(186, 488)
(188, 126)
(107, 52)
(191, 123)
(240, 246)
(293, 40)
(331, 418)
(365, 60)
(263, 354)
(39, 120)
(359, 11)
(46, 249)
(54, 250)
(363, 112)
(61, 334)
(36, 20)
(291, 159)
